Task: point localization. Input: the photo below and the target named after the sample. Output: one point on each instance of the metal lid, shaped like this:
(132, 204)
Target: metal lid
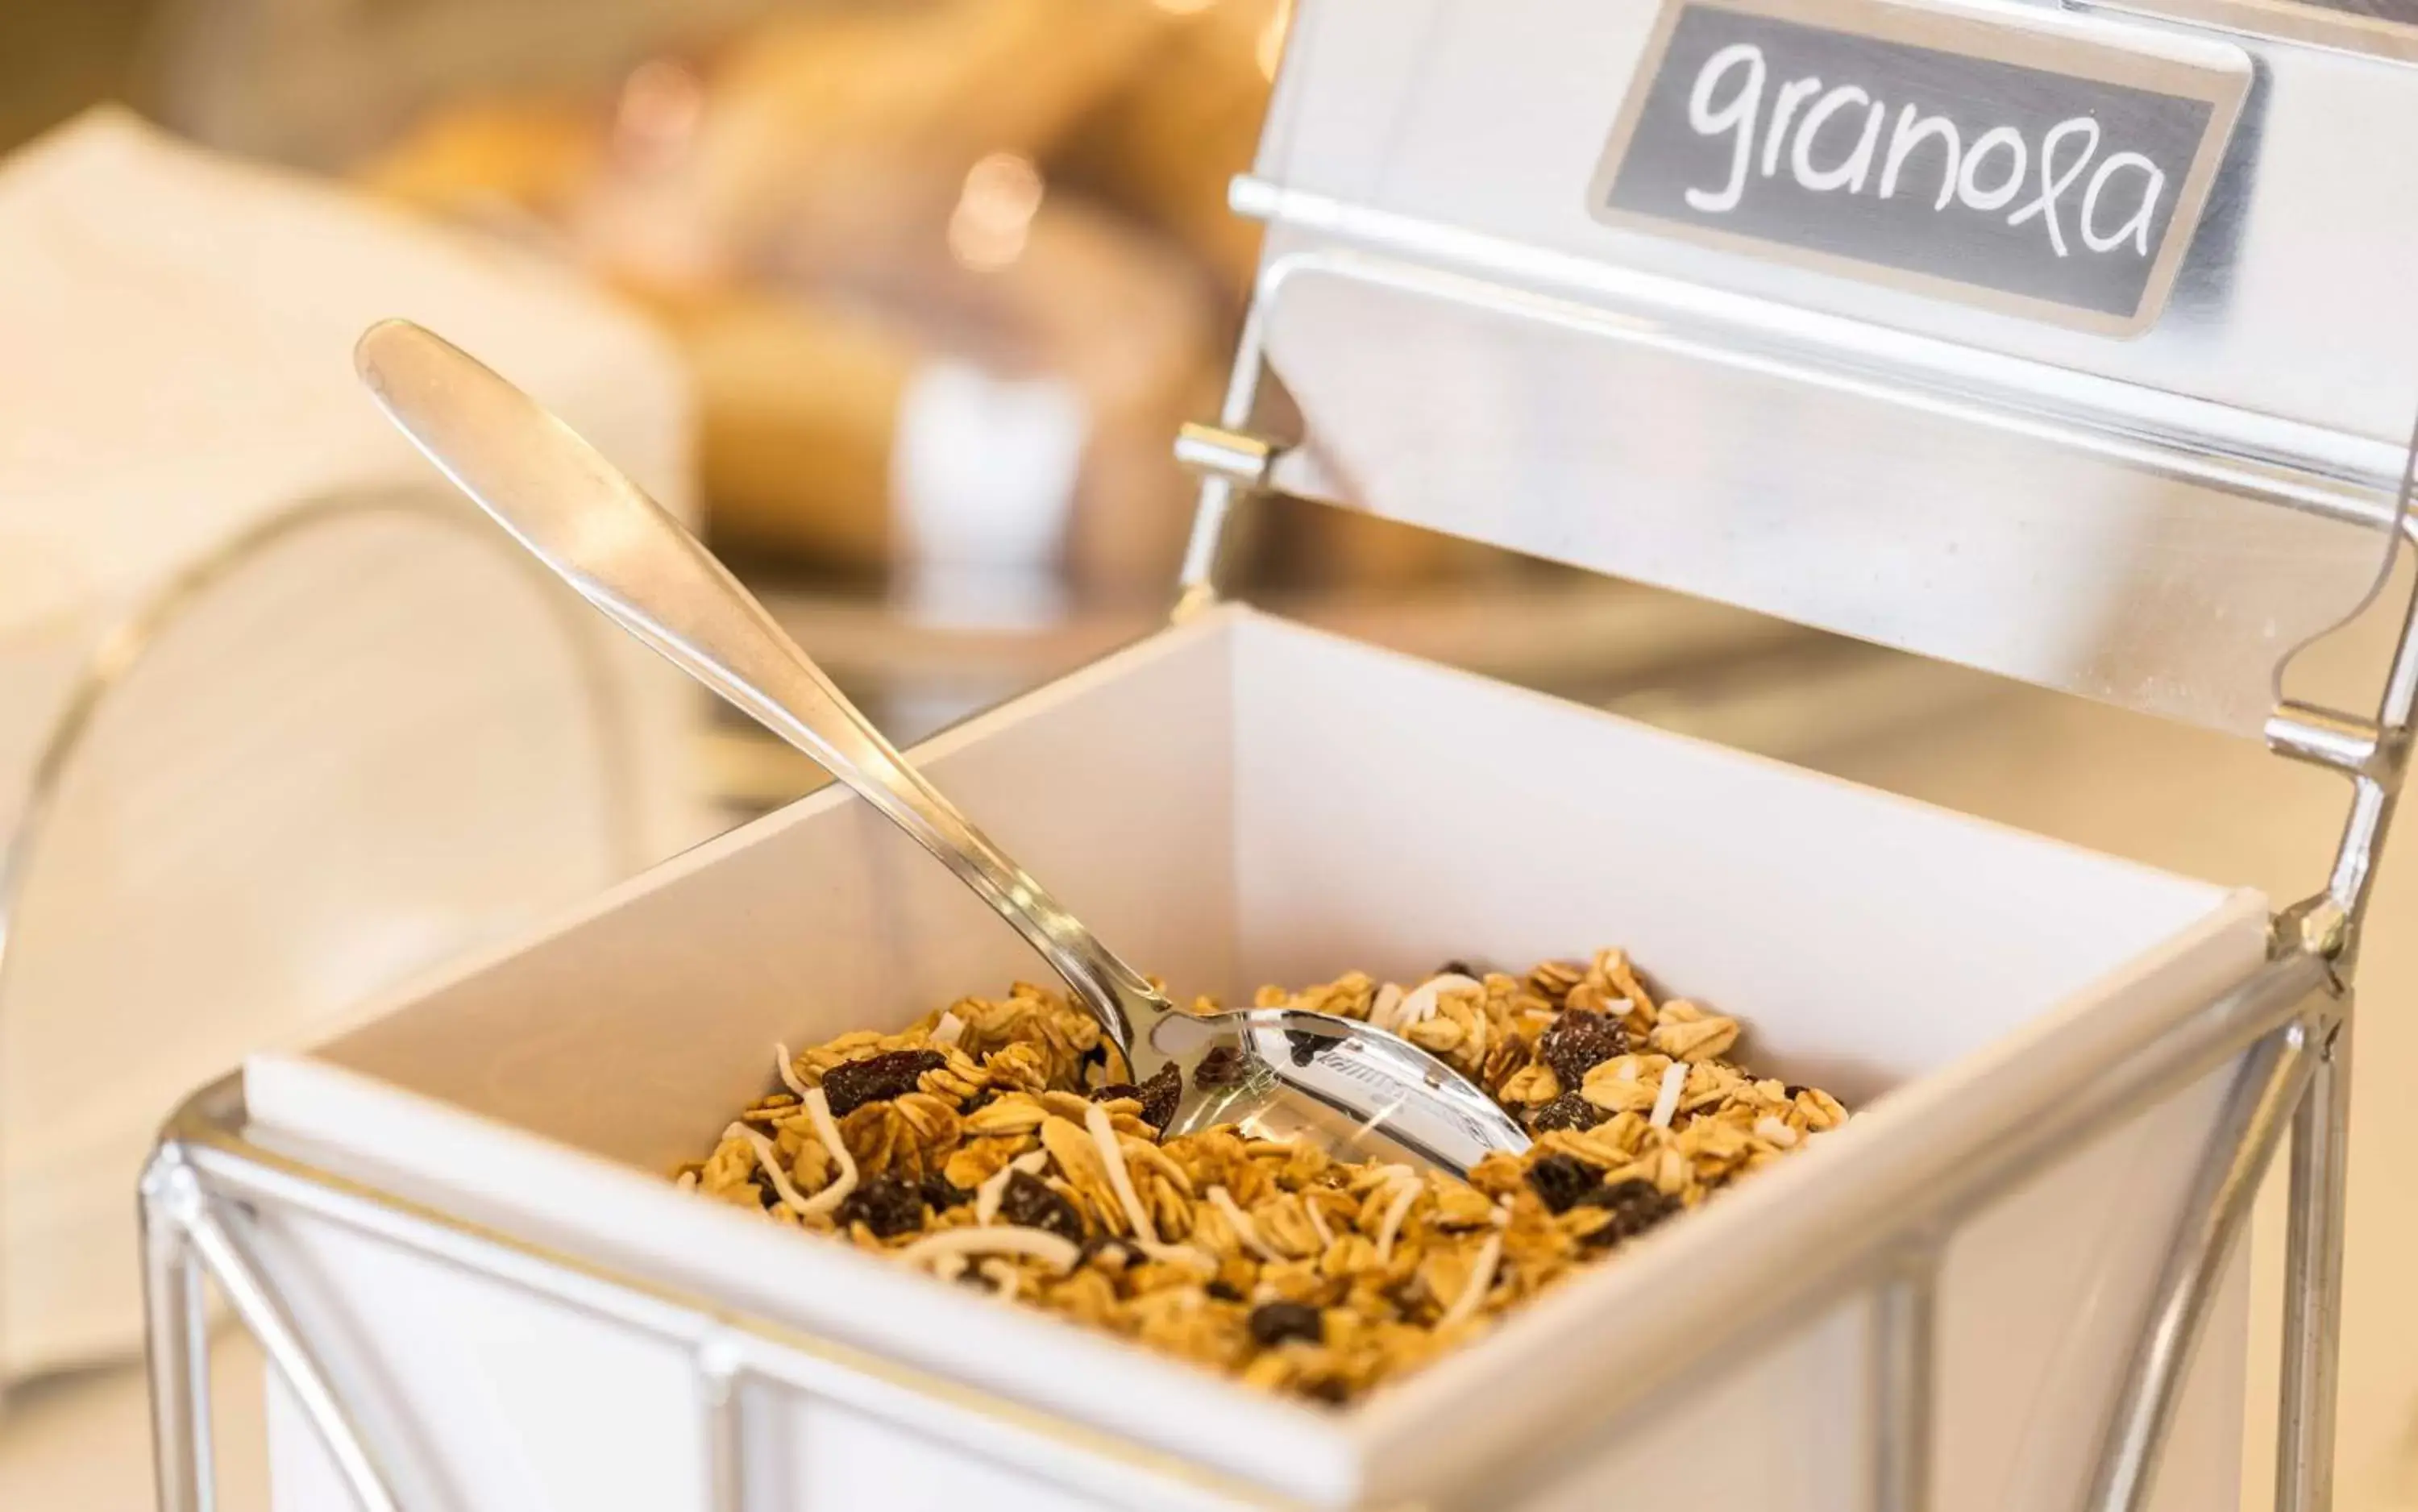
(1696, 296)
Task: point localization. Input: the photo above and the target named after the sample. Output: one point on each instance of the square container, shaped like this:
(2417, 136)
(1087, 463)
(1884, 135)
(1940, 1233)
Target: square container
(1235, 801)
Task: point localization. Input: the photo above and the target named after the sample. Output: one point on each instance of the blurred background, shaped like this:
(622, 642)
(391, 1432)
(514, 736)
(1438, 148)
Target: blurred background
(936, 281)
(945, 279)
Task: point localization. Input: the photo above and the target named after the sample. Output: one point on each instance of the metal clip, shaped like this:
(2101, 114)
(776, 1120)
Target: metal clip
(1239, 457)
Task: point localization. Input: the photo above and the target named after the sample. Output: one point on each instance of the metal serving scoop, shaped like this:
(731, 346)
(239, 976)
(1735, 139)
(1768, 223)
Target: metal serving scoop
(1358, 1089)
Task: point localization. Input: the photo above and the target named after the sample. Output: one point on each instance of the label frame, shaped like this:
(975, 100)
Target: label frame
(1992, 38)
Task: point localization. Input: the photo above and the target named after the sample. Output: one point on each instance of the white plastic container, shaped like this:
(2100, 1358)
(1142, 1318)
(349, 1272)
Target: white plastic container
(1235, 801)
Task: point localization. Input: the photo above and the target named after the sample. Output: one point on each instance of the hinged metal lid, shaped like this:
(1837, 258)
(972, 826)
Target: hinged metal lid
(2072, 346)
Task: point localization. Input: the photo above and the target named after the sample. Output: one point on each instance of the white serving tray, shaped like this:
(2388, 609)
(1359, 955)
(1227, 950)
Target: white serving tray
(1237, 800)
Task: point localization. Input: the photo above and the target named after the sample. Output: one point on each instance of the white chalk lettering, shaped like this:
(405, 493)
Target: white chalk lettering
(1851, 173)
(1912, 130)
(1783, 110)
(1737, 115)
(1969, 183)
(1762, 133)
(2153, 183)
(2053, 183)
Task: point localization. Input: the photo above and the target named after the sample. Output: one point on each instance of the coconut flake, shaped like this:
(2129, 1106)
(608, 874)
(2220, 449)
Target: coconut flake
(768, 1158)
(819, 1109)
(1666, 1102)
(1407, 1191)
(949, 1030)
(789, 1070)
(1244, 1228)
(1005, 1279)
(1775, 1132)
(1420, 1005)
(1387, 1004)
(1112, 1154)
(1318, 1224)
(993, 1189)
(686, 1181)
(1481, 1281)
(1033, 1244)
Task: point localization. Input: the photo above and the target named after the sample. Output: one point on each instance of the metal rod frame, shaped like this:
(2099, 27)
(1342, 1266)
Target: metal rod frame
(2286, 1030)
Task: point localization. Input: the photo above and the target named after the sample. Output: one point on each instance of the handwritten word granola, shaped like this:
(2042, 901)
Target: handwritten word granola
(998, 1144)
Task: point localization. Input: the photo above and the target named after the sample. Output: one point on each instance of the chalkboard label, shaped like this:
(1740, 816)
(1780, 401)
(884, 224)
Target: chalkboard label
(2025, 168)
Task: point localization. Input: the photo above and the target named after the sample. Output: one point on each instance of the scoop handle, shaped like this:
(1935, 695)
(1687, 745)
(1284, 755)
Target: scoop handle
(598, 531)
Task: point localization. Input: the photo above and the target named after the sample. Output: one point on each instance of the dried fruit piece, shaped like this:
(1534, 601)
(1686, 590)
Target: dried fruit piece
(885, 1204)
(1030, 1202)
(1274, 1322)
(1563, 1180)
(855, 1083)
(944, 1194)
(1578, 1042)
(1635, 1206)
(1568, 1111)
(1223, 1067)
(1158, 1096)
(1303, 1045)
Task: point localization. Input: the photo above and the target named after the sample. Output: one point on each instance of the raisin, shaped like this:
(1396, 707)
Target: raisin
(1568, 1111)
(1333, 1390)
(1273, 1322)
(851, 1086)
(886, 1205)
(1635, 1206)
(1029, 1202)
(1159, 1095)
(1579, 1042)
(1223, 1067)
(1563, 1180)
(767, 1195)
(1222, 1291)
(1792, 1091)
(1457, 969)
(944, 1194)
(980, 1100)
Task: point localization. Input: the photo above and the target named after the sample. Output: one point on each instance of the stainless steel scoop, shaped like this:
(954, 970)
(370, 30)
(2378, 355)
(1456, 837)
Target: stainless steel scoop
(1358, 1089)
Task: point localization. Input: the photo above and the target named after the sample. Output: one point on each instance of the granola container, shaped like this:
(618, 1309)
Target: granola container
(2010, 1282)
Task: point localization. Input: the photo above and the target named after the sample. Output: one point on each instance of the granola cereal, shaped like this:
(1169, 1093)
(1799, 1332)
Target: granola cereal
(998, 1145)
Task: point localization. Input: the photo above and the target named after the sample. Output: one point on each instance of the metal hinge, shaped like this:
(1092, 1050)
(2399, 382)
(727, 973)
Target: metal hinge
(2340, 742)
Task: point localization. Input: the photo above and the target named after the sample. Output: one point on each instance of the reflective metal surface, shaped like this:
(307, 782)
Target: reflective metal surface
(2272, 1083)
(1470, 350)
(1345, 1083)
